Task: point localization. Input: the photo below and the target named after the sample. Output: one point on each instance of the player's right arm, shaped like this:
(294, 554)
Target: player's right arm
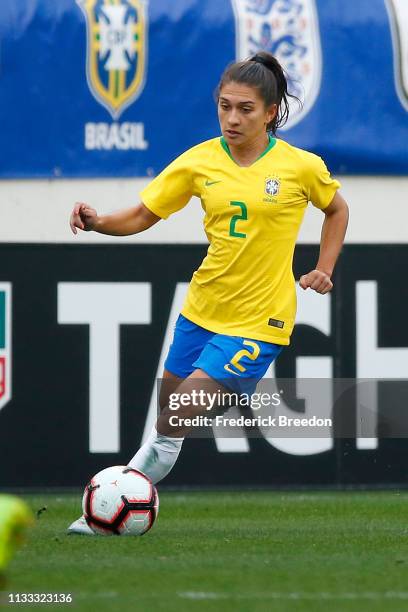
(120, 223)
(169, 192)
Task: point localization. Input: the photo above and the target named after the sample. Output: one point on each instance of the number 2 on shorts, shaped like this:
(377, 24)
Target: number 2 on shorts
(243, 353)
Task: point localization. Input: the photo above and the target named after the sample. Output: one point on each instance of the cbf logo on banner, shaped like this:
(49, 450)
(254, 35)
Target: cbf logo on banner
(116, 69)
(116, 51)
(5, 343)
(398, 15)
(289, 29)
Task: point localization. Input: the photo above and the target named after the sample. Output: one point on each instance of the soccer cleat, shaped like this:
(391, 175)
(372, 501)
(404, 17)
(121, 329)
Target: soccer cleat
(80, 527)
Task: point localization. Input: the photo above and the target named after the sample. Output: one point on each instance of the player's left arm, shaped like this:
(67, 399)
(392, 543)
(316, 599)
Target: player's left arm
(331, 241)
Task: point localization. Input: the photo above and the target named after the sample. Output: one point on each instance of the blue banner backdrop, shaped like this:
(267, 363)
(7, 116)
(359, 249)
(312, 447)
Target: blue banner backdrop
(121, 87)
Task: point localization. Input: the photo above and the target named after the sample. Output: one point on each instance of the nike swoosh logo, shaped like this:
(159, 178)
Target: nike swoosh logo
(209, 183)
(227, 367)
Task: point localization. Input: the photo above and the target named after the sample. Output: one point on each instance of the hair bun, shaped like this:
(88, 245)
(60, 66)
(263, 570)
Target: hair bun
(260, 60)
(267, 60)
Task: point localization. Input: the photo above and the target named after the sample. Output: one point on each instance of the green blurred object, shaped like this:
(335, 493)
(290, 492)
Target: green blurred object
(15, 518)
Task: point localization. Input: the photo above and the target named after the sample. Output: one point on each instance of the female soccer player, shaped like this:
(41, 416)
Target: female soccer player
(240, 307)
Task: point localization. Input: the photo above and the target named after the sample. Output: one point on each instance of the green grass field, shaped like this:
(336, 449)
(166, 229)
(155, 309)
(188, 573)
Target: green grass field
(250, 551)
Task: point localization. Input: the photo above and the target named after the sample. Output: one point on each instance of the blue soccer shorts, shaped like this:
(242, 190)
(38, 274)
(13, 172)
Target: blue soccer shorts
(235, 362)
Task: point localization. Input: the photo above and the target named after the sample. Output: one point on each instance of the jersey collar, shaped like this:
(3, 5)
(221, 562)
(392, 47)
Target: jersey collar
(271, 144)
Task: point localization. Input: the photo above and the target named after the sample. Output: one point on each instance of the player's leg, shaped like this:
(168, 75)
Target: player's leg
(153, 447)
(169, 384)
(159, 453)
(205, 399)
(226, 363)
(157, 456)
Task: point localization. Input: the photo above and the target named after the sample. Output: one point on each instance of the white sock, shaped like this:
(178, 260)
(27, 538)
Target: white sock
(157, 455)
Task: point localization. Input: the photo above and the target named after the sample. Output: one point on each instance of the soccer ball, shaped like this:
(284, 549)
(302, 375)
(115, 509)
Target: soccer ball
(120, 501)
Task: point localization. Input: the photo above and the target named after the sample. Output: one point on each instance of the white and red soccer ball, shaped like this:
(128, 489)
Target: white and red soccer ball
(120, 501)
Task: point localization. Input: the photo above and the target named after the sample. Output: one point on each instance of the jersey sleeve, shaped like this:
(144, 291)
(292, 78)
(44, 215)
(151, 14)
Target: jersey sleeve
(320, 186)
(171, 190)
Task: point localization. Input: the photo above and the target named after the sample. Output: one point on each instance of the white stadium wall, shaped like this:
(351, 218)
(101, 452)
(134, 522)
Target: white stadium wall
(37, 211)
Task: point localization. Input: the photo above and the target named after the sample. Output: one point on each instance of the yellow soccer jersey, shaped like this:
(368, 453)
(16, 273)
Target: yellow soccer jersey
(245, 284)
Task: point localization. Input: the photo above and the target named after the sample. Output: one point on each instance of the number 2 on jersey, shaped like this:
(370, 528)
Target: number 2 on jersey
(240, 217)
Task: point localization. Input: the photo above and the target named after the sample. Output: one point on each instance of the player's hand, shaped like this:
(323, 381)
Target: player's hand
(316, 280)
(83, 217)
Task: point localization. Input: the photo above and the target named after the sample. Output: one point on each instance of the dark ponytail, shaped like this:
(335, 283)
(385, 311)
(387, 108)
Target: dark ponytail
(264, 72)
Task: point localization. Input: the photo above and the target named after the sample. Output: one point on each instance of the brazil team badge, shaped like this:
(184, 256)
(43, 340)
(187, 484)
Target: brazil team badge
(5, 343)
(116, 51)
(272, 186)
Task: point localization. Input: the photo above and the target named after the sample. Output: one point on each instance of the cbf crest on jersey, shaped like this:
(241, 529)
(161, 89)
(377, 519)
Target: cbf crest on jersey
(5, 343)
(398, 15)
(272, 186)
(289, 29)
(116, 51)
